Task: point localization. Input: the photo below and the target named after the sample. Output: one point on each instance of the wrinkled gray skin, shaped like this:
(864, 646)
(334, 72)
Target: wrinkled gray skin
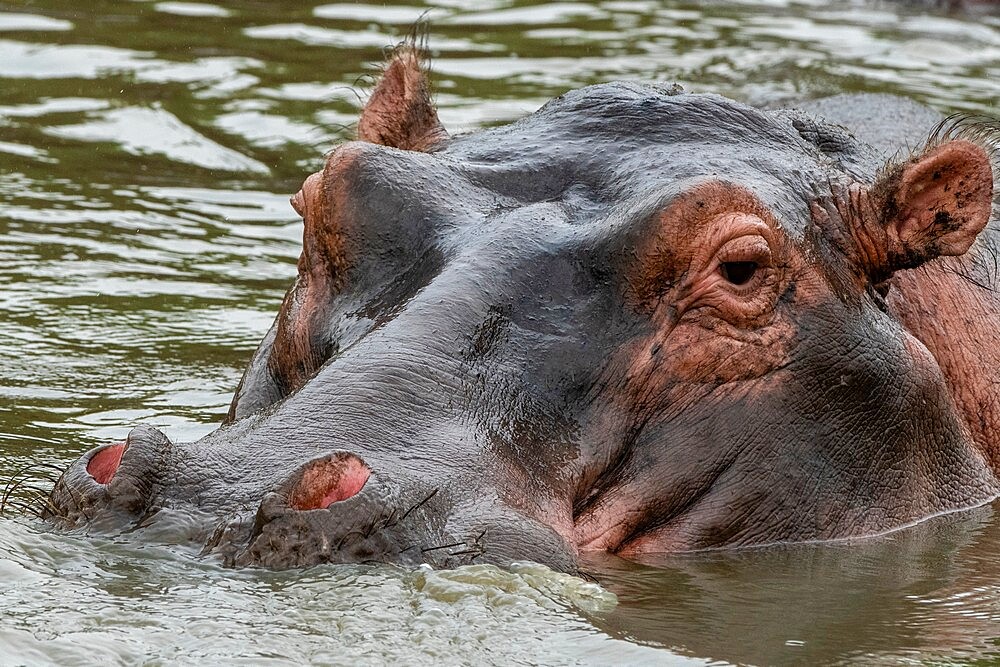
(470, 352)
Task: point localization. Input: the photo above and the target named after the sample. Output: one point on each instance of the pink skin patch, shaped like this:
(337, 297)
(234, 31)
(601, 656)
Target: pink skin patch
(104, 464)
(329, 481)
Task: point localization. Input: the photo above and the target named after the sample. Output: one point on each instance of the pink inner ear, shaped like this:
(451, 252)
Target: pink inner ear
(329, 481)
(103, 465)
(945, 198)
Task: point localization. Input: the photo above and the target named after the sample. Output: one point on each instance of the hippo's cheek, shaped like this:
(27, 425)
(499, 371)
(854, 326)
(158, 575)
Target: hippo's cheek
(661, 368)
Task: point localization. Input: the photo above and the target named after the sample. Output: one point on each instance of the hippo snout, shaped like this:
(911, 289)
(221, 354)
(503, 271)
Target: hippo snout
(112, 482)
(337, 509)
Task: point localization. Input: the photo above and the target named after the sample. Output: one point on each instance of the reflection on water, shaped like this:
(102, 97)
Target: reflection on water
(931, 592)
(147, 151)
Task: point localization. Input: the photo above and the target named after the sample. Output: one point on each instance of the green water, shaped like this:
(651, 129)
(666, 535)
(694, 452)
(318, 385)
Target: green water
(147, 152)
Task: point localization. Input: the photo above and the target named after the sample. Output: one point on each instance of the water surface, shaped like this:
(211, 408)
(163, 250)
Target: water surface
(147, 151)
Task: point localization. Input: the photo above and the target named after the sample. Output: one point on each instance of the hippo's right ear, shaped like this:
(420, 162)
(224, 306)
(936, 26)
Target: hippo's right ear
(399, 112)
(932, 205)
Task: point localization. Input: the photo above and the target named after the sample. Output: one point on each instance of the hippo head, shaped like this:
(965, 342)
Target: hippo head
(636, 321)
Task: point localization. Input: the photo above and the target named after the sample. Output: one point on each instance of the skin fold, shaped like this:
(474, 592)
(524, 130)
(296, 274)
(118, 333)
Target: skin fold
(635, 321)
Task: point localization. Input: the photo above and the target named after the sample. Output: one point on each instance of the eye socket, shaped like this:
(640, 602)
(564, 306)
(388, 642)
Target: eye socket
(738, 273)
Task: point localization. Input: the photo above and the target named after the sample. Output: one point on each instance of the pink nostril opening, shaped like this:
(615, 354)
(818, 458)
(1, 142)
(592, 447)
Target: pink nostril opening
(103, 465)
(328, 481)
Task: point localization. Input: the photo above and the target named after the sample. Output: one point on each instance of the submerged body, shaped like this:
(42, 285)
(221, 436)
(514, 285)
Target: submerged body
(635, 321)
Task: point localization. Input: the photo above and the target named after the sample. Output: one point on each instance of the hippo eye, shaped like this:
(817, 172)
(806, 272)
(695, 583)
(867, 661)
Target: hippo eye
(738, 273)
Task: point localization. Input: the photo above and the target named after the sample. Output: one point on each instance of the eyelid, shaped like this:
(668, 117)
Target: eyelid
(746, 248)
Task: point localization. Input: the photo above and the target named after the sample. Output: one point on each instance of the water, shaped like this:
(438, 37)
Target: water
(147, 151)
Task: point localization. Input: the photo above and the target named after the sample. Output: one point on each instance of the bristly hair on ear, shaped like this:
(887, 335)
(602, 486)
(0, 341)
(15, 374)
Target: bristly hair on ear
(981, 269)
(418, 38)
(983, 131)
(980, 130)
(413, 45)
(399, 111)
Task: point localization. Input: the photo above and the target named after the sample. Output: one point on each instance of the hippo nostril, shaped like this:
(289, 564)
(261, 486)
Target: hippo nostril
(103, 465)
(329, 480)
(111, 484)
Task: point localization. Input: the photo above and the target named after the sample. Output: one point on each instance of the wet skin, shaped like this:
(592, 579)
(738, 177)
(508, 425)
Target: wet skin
(635, 321)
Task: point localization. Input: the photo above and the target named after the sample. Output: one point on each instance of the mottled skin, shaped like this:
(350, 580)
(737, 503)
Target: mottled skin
(634, 321)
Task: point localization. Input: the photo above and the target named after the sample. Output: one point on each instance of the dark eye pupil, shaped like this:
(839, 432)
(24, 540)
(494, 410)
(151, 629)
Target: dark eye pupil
(738, 273)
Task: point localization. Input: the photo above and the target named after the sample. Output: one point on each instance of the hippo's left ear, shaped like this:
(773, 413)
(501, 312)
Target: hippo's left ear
(934, 204)
(399, 112)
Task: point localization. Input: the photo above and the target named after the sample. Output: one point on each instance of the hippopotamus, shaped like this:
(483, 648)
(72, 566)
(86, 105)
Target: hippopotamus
(638, 320)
